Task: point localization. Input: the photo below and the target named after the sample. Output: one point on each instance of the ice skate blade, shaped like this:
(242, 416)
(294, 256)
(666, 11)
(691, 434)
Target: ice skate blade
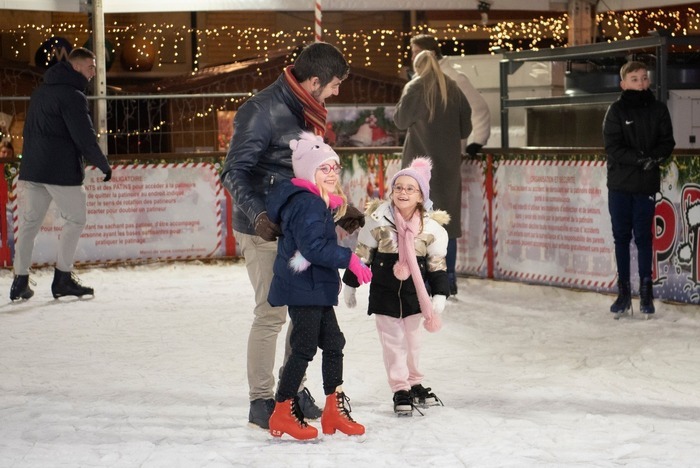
(287, 439)
(625, 313)
(404, 414)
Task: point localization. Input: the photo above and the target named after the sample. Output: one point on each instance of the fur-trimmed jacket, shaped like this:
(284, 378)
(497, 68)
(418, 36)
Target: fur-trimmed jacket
(377, 247)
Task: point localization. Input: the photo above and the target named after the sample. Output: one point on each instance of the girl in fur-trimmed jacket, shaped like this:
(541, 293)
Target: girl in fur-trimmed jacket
(306, 280)
(405, 244)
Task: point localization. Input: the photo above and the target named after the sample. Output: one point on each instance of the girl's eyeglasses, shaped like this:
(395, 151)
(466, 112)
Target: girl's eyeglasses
(408, 189)
(327, 168)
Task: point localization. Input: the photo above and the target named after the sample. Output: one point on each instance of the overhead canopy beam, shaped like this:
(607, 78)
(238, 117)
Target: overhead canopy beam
(140, 6)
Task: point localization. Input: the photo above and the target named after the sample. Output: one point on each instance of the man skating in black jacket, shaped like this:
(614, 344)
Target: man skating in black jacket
(58, 138)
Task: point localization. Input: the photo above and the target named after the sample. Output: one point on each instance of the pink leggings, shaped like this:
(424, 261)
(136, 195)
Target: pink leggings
(401, 343)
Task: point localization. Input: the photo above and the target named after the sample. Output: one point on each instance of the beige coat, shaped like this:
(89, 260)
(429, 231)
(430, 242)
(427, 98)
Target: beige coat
(440, 140)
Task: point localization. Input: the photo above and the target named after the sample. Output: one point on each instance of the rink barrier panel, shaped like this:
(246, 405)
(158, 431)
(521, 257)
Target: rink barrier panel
(677, 221)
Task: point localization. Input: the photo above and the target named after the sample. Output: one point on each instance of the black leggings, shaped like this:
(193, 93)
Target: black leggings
(312, 327)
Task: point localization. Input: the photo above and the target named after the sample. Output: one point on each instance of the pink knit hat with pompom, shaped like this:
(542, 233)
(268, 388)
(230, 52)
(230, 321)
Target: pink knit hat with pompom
(419, 170)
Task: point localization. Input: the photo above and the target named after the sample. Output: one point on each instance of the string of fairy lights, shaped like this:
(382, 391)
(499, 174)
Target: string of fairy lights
(150, 43)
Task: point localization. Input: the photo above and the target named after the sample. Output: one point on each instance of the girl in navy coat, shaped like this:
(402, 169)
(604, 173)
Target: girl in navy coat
(306, 280)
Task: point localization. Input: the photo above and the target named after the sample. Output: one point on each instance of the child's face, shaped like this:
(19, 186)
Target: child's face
(327, 175)
(406, 193)
(637, 80)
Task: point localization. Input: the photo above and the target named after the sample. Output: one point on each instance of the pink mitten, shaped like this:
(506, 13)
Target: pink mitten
(363, 273)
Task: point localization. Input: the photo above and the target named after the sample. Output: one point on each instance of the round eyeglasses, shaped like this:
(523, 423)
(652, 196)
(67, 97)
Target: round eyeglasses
(410, 190)
(327, 168)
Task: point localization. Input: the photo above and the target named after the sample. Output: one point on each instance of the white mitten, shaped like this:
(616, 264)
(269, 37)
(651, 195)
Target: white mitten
(349, 296)
(439, 303)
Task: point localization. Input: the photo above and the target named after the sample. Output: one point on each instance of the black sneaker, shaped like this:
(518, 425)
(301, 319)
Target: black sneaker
(403, 403)
(20, 288)
(65, 283)
(307, 404)
(260, 412)
(424, 397)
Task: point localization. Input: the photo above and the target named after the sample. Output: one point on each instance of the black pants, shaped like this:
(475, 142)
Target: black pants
(313, 327)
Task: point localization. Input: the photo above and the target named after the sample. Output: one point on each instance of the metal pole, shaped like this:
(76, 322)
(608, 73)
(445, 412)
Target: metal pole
(504, 65)
(100, 84)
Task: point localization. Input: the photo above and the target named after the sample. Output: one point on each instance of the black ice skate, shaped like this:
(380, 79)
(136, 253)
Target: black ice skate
(403, 403)
(424, 397)
(622, 307)
(20, 288)
(646, 298)
(65, 283)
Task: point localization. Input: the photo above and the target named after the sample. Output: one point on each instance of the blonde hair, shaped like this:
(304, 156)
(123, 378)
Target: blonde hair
(632, 66)
(340, 212)
(433, 80)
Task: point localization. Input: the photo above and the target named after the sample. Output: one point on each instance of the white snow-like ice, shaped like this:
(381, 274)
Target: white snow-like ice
(152, 373)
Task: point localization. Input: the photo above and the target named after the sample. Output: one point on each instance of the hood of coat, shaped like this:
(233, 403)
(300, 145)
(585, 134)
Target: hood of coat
(63, 73)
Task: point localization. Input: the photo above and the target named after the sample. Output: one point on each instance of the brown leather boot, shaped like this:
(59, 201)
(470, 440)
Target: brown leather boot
(287, 418)
(336, 415)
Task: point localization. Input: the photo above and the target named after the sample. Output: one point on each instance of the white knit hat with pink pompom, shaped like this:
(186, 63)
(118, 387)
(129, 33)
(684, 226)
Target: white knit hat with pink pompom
(308, 153)
(419, 169)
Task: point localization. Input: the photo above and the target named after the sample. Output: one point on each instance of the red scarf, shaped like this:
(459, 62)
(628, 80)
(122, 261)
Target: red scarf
(314, 112)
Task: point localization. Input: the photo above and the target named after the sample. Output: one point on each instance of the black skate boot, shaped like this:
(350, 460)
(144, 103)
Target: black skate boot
(307, 405)
(424, 397)
(403, 403)
(20, 288)
(646, 297)
(623, 304)
(66, 284)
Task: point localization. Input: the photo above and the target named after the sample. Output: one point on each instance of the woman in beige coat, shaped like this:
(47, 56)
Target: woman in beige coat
(437, 116)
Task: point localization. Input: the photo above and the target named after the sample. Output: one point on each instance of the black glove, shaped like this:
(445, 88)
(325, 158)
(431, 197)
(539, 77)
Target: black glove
(650, 163)
(473, 149)
(266, 229)
(108, 175)
(352, 220)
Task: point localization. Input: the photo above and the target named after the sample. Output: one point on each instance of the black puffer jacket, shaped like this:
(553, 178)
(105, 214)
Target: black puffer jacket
(58, 132)
(636, 126)
(259, 154)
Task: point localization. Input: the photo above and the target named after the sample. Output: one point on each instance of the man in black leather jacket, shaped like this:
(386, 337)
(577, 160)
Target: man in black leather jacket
(58, 139)
(638, 137)
(258, 157)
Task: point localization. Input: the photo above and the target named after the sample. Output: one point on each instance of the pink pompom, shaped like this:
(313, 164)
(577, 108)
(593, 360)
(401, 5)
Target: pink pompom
(433, 324)
(401, 271)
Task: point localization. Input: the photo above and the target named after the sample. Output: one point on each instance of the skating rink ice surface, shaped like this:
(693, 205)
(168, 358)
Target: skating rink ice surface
(152, 373)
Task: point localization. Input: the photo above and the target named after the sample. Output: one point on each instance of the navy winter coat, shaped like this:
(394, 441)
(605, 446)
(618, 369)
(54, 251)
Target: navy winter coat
(259, 154)
(308, 228)
(58, 132)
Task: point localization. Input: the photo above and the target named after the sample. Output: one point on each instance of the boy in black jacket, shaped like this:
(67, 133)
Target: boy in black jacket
(638, 137)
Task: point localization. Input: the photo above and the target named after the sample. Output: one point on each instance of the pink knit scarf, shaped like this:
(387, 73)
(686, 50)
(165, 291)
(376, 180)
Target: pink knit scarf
(408, 265)
(334, 201)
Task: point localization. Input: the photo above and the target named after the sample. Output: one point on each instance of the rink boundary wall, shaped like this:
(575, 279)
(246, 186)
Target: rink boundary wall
(490, 247)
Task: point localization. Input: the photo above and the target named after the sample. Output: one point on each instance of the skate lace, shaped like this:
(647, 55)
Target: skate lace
(75, 279)
(296, 412)
(342, 400)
